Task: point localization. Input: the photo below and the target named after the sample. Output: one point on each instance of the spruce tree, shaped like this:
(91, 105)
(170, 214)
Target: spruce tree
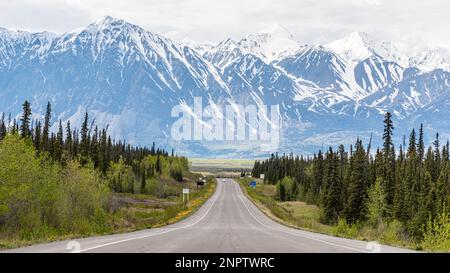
(421, 145)
(46, 128)
(85, 138)
(25, 119)
(356, 209)
(69, 140)
(59, 142)
(389, 159)
(333, 200)
(2, 127)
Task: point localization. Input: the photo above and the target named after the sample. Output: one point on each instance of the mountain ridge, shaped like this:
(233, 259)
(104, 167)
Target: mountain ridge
(130, 79)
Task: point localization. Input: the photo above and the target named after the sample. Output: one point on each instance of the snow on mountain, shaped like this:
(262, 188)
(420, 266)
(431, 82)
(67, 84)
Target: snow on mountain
(316, 64)
(268, 46)
(429, 60)
(412, 93)
(130, 79)
(374, 72)
(14, 43)
(359, 45)
(200, 48)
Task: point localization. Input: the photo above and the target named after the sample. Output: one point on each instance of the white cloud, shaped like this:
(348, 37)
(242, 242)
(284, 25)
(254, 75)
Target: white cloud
(414, 23)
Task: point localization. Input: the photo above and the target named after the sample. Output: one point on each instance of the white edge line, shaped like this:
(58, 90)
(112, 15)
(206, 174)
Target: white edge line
(151, 235)
(295, 234)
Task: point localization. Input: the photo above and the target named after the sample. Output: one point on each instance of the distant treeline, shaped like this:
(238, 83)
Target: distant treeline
(57, 183)
(89, 145)
(410, 184)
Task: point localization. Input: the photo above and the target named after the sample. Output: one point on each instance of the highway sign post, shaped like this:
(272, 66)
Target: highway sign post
(261, 176)
(186, 192)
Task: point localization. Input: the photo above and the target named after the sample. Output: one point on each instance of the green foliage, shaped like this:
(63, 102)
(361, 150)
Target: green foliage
(437, 233)
(344, 229)
(390, 232)
(83, 199)
(376, 205)
(389, 192)
(39, 198)
(356, 209)
(332, 201)
(285, 189)
(54, 184)
(121, 177)
(176, 171)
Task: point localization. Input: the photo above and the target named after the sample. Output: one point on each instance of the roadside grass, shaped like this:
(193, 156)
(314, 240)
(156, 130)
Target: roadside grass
(130, 212)
(308, 217)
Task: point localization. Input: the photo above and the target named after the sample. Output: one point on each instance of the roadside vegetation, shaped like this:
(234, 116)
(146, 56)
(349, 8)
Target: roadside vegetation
(76, 183)
(397, 197)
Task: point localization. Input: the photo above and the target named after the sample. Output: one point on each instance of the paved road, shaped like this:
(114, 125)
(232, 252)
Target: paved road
(227, 222)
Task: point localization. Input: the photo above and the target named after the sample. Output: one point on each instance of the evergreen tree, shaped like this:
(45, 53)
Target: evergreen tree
(389, 159)
(358, 186)
(421, 145)
(2, 127)
(59, 142)
(46, 128)
(69, 140)
(333, 196)
(85, 138)
(25, 119)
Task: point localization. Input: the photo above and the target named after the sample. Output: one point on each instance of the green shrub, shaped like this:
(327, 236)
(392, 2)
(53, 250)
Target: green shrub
(285, 189)
(343, 229)
(39, 198)
(437, 233)
(391, 232)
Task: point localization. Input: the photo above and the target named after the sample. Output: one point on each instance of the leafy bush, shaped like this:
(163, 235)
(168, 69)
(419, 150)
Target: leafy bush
(285, 189)
(437, 233)
(391, 232)
(176, 171)
(83, 199)
(39, 198)
(345, 229)
(376, 207)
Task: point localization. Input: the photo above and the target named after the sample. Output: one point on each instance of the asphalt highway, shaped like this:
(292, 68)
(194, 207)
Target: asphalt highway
(227, 222)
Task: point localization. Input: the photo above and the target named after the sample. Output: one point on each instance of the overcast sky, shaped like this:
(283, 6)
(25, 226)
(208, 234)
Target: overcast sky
(413, 24)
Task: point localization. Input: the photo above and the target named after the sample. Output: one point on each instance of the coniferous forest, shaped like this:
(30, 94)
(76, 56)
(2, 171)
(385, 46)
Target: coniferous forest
(408, 184)
(56, 181)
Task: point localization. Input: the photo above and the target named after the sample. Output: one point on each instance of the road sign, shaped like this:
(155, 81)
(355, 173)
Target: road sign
(261, 176)
(186, 191)
(253, 184)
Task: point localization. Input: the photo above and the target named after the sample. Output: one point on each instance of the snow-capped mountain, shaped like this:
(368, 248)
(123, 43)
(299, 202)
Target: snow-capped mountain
(130, 79)
(201, 48)
(317, 64)
(359, 46)
(268, 46)
(432, 59)
(125, 76)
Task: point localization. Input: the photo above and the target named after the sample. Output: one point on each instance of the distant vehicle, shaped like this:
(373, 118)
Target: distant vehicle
(201, 182)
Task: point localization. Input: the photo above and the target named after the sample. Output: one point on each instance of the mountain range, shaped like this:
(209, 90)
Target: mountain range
(129, 79)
